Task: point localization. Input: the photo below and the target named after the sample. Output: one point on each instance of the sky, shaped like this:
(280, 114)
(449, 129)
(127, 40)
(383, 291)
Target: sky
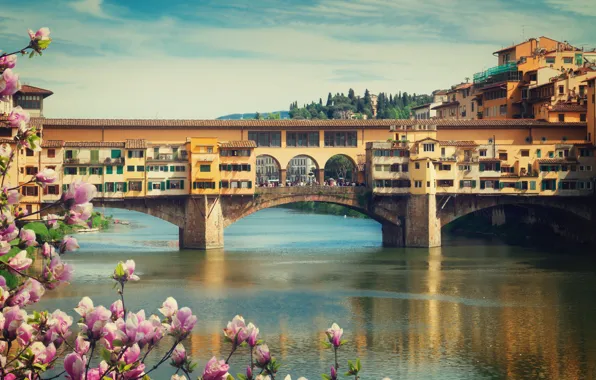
(174, 59)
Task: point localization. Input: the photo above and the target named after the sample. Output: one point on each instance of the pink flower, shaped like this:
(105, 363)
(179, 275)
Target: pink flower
(20, 262)
(29, 293)
(13, 318)
(334, 334)
(81, 345)
(117, 310)
(4, 247)
(130, 357)
(9, 83)
(18, 116)
(79, 213)
(179, 356)
(95, 321)
(59, 324)
(41, 35)
(8, 61)
(183, 322)
(10, 232)
(236, 331)
(262, 355)
(13, 197)
(48, 250)
(169, 307)
(25, 334)
(46, 176)
(75, 366)
(69, 244)
(125, 271)
(333, 373)
(248, 372)
(27, 237)
(52, 220)
(85, 306)
(57, 272)
(216, 370)
(253, 335)
(80, 192)
(43, 354)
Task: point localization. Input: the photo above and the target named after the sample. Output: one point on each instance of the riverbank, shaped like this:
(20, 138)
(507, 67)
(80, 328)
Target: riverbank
(324, 208)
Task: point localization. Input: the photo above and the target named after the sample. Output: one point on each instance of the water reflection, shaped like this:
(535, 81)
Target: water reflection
(468, 310)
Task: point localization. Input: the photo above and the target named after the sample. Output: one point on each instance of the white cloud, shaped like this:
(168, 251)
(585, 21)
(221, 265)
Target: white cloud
(91, 7)
(581, 7)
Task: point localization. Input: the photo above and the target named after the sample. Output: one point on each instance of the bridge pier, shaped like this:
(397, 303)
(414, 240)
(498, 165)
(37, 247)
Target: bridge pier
(393, 235)
(203, 224)
(423, 227)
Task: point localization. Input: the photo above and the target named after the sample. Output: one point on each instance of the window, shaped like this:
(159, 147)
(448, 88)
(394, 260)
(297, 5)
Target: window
(550, 60)
(31, 170)
(155, 185)
(176, 184)
(418, 184)
(120, 186)
(205, 168)
(51, 153)
(235, 153)
(116, 153)
(203, 185)
(109, 170)
(568, 60)
(302, 139)
(119, 169)
(445, 183)
(489, 184)
(95, 156)
(495, 94)
(444, 167)
(583, 152)
(417, 165)
(428, 147)
(70, 171)
(561, 90)
(482, 152)
(30, 153)
(427, 183)
(156, 153)
(266, 138)
(490, 166)
(549, 184)
(464, 167)
(52, 190)
(582, 117)
(395, 168)
(503, 156)
(135, 154)
(503, 109)
(525, 153)
(31, 191)
(467, 183)
(538, 153)
(341, 139)
(95, 171)
(561, 117)
(404, 168)
(130, 168)
(28, 101)
(140, 168)
(209, 149)
(135, 185)
(51, 167)
(442, 151)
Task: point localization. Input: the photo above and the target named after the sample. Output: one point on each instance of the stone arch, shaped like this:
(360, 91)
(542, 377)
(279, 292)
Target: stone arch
(171, 210)
(300, 168)
(351, 173)
(268, 169)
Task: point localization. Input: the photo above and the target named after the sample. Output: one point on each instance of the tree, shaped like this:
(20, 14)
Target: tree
(258, 116)
(339, 166)
(329, 100)
(273, 116)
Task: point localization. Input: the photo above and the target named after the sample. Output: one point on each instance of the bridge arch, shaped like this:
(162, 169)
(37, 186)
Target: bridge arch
(267, 170)
(302, 168)
(341, 166)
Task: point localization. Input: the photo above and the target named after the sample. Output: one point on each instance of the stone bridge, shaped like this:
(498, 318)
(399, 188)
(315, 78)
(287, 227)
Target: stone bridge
(407, 220)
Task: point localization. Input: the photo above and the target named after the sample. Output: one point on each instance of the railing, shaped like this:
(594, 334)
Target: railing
(448, 158)
(114, 161)
(169, 157)
(496, 70)
(309, 190)
(470, 159)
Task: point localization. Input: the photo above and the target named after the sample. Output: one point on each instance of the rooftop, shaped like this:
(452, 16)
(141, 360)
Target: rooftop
(238, 144)
(135, 144)
(569, 107)
(94, 144)
(445, 105)
(32, 90)
(458, 143)
(52, 143)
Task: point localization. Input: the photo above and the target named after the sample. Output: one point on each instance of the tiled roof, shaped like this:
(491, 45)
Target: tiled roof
(425, 139)
(26, 89)
(52, 144)
(94, 144)
(441, 92)
(569, 107)
(556, 161)
(238, 144)
(445, 105)
(463, 86)
(489, 160)
(135, 144)
(458, 143)
(420, 106)
(285, 124)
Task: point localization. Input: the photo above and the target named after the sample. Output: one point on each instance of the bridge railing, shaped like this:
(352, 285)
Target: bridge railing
(308, 190)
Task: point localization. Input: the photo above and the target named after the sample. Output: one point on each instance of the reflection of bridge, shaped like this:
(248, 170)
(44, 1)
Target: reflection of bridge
(407, 220)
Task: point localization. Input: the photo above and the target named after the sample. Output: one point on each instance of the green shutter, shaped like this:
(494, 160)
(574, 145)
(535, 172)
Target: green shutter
(543, 185)
(498, 166)
(166, 168)
(250, 184)
(65, 170)
(473, 184)
(248, 167)
(461, 184)
(560, 185)
(116, 153)
(100, 188)
(125, 187)
(501, 185)
(163, 186)
(481, 167)
(182, 184)
(194, 185)
(130, 154)
(95, 156)
(109, 169)
(149, 184)
(100, 171)
(482, 185)
(172, 168)
(119, 169)
(532, 185)
(168, 184)
(538, 153)
(64, 188)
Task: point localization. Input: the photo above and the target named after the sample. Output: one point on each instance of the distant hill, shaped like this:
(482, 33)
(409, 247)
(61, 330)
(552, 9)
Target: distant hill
(238, 116)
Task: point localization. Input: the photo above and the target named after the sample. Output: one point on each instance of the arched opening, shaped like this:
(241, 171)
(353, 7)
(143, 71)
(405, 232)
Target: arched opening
(341, 170)
(267, 171)
(302, 171)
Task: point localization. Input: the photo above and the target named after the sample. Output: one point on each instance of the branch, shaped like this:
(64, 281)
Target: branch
(41, 209)
(22, 51)
(90, 357)
(166, 357)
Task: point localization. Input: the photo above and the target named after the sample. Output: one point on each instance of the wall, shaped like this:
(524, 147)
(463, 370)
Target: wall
(591, 115)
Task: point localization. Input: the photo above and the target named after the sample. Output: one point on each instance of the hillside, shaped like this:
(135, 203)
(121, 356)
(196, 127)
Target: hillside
(238, 116)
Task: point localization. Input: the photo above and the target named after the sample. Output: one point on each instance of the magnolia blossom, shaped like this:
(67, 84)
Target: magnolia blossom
(48, 250)
(57, 272)
(236, 330)
(253, 335)
(117, 309)
(13, 317)
(4, 247)
(42, 34)
(333, 374)
(17, 116)
(182, 323)
(179, 356)
(169, 307)
(30, 292)
(125, 272)
(178, 377)
(216, 370)
(248, 372)
(58, 324)
(74, 365)
(20, 262)
(25, 333)
(290, 378)
(95, 321)
(9, 83)
(80, 192)
(27, 237)
(10, 232)
(8, 61)
(43, 354)
(79, 213)
(5, 150)
(140, 330)
(334, 334)
(82, 346)
(69, 244)
(46, 176)
(85, 306)
(13, 197)
(131, 356)
(262, 355)
(52, 220)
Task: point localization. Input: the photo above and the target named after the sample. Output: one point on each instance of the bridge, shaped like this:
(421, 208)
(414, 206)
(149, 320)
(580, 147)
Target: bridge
(407, 220)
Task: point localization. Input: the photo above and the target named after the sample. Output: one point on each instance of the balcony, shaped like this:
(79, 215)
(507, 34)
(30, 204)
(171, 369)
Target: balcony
(114, 161)
(470, 159)
(169, 157)
(502, 73)
(448, 158)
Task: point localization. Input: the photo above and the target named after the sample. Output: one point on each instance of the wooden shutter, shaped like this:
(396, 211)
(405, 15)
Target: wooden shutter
(182, 185)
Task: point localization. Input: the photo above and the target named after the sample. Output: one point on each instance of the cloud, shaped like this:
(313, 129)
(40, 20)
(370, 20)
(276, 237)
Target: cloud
(91, 7)
(581, 7)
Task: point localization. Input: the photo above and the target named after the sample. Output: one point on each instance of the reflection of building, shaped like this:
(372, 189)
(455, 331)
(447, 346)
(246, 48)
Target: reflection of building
(267, 169)
(299, 169)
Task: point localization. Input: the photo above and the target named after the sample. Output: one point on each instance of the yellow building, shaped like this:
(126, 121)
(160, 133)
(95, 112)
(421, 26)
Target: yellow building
(204, 165)
(28, 163)
(237, 166)
(52, 157)
(167, 168)
(591, 111)
(134, 174)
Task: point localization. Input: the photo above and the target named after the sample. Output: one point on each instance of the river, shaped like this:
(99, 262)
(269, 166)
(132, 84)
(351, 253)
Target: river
(473, 309)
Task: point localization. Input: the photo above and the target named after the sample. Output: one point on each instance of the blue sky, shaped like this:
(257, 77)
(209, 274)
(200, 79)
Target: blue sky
(207, 58)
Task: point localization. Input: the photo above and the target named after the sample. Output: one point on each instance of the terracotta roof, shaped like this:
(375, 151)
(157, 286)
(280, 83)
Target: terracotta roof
(135, 144)
(441, 92)
(445, 105)
(238, 144)
(426, 139)
(489, 160)
(463, 86)
(26, 89)
(568, 107)
(458, 143)
(420, 106)
(556, 161)
(52, 144)
(94, 144)
(575, 142)
(495, 85)
(282, 124)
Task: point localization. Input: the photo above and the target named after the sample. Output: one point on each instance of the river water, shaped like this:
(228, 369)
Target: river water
(473, 309)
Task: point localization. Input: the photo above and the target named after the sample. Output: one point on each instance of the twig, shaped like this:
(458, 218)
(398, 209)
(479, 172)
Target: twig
(17, 52)
(90, 358)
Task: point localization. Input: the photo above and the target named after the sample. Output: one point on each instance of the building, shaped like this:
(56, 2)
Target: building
(237, 166)
(31, 99)
(267, 170)
(301, 169)
(591, 109)
(167, 168)
(135, 174)
(52, 157)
